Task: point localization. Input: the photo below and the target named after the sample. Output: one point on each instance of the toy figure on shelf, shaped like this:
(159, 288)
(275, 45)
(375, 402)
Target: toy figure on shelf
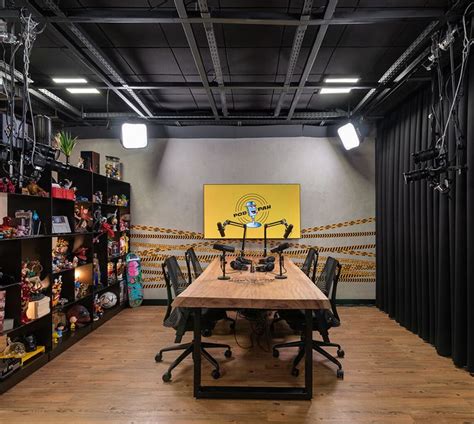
(97, 197)
(98, 309)
(124, 244)
(83, 218)
(80, 163)
(81, 254)
(111, 277)
(105, 228)
(96, 271)
(60, 256)
(80, 289)
(113, 220)
(122, 201)
(7, 229)
(32, 272)
(120, 266)
(7, 186)
(25, 295)
(56, 291)
(97, 219)
(33, 189)
(112, 167)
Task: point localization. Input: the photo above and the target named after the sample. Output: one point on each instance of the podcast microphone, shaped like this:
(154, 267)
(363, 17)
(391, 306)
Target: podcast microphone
(220, 227)
(280, 248)
(288, 231)
(224, 248)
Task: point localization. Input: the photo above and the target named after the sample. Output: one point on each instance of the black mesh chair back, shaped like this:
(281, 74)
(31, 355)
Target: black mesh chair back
(310, 264)
(192, 262)
(175, 284)
(328, 279)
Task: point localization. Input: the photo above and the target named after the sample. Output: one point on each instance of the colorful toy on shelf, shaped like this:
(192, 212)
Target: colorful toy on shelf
(111, 276)
(105, 228)
(81, 289)
(97, 219)
(113, 248)
(120, 269)
(113, 167)
(60, 256)
(124, 243)
(108, 300)
(83, 218)
(113, 221)
(98, 309)
(81, 254)
(98, 197)
(31, 271)
(7, 186)
(80, 163)
(79, 315)
(96, 278)
(56, 291)
(7, 229)
(25, 295)
(33, 189)
(118, 200)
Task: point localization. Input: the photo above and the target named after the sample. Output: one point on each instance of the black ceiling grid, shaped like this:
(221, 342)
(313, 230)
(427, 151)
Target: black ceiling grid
(258, 74)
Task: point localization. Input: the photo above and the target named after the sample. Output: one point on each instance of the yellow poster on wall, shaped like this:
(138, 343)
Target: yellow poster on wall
(254, 205)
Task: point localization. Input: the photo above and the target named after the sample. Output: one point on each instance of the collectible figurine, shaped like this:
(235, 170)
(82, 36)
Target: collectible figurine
(25, 295)
(31, 272)
(120, 269)
(122, 200)
(72, 323)
(80, 164)
(7, 229)
(96, 270)
(112, 167)
(124, 244)
(83, 218)
(60, 256)
(111, 277)
(81, 254)
(80, 289)
(33, 189)
(6, 186)
(67, 184)
(113, 220)
(56, 291)
(97, 197)
(98, 310)
(105, 228)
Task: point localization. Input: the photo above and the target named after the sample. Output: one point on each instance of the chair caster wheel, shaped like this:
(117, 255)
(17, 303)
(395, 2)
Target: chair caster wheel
(340, 353)
(166, 377)
(158, 357)
(206, 333)
(228, 353)
(340, 374)
(276, 353)
(215, 374)
(295, 372)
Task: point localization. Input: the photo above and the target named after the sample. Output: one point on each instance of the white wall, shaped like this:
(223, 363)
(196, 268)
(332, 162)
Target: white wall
(167, 179)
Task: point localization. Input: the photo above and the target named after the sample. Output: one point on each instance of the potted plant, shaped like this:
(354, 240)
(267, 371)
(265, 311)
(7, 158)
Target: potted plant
(66, 144)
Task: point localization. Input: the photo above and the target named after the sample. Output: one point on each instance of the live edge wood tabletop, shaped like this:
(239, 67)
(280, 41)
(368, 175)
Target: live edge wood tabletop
(256, 290)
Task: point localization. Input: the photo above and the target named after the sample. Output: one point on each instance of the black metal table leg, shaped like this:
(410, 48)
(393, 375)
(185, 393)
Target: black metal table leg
(308, 346)
(197, 352)
(245, 392)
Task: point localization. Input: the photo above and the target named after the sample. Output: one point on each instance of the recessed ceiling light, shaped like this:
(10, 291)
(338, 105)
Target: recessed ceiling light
(341, 80)
(70, 80)
(83, 90)
(335, 90)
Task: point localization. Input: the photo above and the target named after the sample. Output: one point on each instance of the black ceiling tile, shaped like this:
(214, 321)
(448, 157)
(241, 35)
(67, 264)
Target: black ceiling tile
(96, 34)
(253, 35)
(45, 40)
(56, 62)
(284, 57)
(354, 61)
(252, 61)
(252, 102)
(135, 35)
(286, 101)
(150, 60)
(175, 35)
(161, 78)
(119, 60)
(304, 99)
(322, 59)
(176, 102)
(203, 102)
(200, 35)
(330, 39)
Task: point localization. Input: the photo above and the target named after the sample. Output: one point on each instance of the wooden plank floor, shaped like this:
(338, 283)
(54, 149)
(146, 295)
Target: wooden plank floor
(391, 376)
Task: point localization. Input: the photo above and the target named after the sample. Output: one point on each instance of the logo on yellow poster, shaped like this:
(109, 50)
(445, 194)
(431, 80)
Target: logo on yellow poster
(252, 209)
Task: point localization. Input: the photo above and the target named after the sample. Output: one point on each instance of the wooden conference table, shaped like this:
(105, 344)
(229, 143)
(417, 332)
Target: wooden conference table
(257, 290)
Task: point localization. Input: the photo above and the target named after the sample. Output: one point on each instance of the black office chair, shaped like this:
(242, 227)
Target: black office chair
(181, 319)
(323, 320)
(194, 267)
(309, 267)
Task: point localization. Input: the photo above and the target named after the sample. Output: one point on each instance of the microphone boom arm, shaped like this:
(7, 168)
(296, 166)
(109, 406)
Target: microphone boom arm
(269, 225)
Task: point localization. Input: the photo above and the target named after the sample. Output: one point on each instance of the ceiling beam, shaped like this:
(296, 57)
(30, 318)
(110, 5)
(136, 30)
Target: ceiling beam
(97, 56)
(295, 53)
(361, 16)
(188, 31)
(216, 62)
(328, 14)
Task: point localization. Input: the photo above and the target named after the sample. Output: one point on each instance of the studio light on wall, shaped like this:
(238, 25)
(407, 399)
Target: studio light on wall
(134, 135)
(349, 135)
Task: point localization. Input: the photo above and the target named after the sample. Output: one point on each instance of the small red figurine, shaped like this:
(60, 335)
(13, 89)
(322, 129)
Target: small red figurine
(105, 228)
(10, 186)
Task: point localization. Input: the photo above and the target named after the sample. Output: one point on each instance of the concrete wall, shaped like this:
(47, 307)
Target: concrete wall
(336, 186)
